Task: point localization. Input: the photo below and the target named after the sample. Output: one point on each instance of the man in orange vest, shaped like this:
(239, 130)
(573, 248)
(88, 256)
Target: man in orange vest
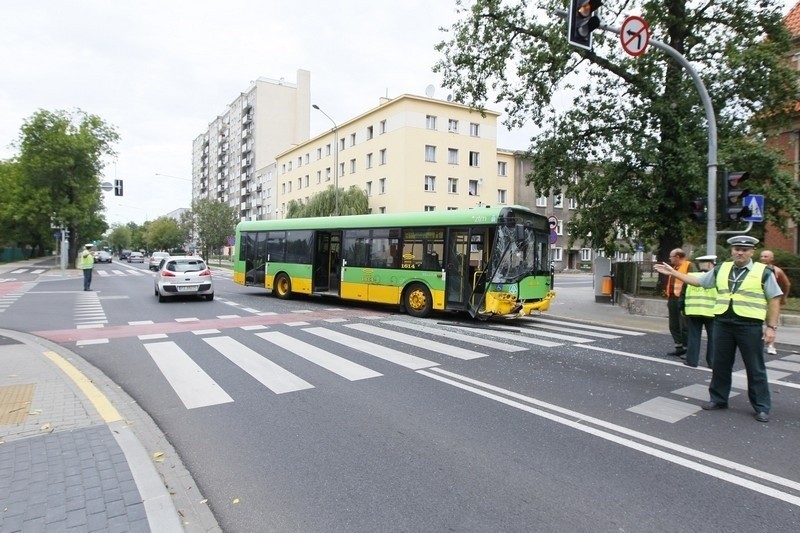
(677, 321)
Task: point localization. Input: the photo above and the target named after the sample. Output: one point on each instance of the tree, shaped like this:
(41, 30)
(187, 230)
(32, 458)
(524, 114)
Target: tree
(632, 146)
(60, 164)
(120, 238)
(164, 234)
(215, 224)
(352, 201)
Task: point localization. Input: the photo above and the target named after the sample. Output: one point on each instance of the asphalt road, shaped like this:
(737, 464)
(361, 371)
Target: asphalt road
(314, 415)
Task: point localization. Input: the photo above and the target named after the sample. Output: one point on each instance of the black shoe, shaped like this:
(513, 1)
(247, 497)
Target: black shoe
(687, 363)
(713, 406)
(678, 351)
(762, 416)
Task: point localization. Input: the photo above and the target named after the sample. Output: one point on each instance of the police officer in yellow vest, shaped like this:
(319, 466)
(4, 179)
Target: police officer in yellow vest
(748, 296)
(86, 263)
(698, 307)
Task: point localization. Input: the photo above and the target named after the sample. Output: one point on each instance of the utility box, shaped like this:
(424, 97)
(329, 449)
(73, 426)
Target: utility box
(603, 280)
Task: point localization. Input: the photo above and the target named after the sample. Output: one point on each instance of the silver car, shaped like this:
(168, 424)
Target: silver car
(183, 276)
(155, 259)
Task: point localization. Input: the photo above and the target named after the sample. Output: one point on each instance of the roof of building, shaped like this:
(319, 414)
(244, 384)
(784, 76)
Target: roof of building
(792, 20)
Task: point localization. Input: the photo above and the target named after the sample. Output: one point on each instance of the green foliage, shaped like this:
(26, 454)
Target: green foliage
(119, 238)
(164, 233)
(632, 145)
(214, 223)
(352, 201)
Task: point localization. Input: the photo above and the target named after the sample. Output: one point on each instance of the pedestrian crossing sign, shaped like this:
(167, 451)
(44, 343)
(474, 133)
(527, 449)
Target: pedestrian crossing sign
(755, 202)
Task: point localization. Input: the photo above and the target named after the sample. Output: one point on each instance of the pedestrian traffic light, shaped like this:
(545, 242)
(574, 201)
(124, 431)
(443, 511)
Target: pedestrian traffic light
(733, 194)
(582, 22)
(698, 209)
(117, 187)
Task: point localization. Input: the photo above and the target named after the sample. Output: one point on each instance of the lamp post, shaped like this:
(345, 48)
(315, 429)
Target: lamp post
(335, 160)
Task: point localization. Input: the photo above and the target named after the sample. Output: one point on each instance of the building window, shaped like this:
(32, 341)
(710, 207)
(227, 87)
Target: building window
(307, 158)
(473, 159)
(319, 154)
(452, 156)
(369, 160)
(328, 174)
(382, 210)
(369, 132)
(501, 196)
(572, 203)
(452, 126)
(382, 156)
(473, 187)
(430, 122)
(502, 168)
(352, 166)
(352, 139)
(430, 153)
(341, 169)
(382, 127)
(341, 144)
(541, 201)
(560, 228)
(290, 186)
(558, 200)
(319, 177)
(474, 129)
(430, 183)
(430, 208)
(290, 166)
(452, 185)
(328, 149)
(306, 180)
(299, 183)
(299, 162)
(382, 186)
(586, 254)
(369, 188)
(555, 253)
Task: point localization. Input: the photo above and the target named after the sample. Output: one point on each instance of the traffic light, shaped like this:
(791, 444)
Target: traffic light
(117, 187)
(698, 209)
(733, 194)
(582, 22)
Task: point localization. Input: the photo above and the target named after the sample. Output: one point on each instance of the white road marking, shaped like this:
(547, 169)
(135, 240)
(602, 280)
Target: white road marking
(375, 350)
(445, 349)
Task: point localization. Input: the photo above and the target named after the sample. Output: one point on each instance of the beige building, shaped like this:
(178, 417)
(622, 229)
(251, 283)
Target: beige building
(409, 153)
(231, 161)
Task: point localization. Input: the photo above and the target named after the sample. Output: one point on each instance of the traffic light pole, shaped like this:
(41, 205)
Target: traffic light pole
(711, 223)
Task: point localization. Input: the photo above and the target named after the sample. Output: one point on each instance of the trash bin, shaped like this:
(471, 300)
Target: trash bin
(608, 286)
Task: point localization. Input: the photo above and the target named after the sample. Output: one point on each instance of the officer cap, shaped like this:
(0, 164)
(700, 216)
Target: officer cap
(707, 258)
(89, 245)
(743, 240)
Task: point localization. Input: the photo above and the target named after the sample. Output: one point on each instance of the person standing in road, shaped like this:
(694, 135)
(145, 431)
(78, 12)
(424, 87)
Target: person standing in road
(677, 322)
(768, 258)
(86, 263)
(698, 306)
(748, 296)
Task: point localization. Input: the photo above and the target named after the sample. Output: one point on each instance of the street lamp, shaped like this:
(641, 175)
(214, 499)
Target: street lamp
(335, 160)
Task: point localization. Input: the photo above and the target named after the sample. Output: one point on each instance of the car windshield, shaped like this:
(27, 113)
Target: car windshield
(187, 265)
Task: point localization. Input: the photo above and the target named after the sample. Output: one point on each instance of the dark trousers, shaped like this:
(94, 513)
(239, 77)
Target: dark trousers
(695, 325)
(677, 322)
(87, 278)
(730, 334)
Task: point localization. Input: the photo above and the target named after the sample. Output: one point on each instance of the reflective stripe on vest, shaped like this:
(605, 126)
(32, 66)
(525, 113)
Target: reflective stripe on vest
(699, 301)
(87, 261)
(749, 300)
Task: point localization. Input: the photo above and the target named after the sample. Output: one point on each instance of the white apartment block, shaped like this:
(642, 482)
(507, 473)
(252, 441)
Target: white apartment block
(232, 161)
(409, 153)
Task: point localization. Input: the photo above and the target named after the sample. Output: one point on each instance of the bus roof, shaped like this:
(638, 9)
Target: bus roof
(456, 217)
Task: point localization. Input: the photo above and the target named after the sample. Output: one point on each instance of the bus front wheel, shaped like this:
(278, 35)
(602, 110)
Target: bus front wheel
(418, 300)
(283, 286)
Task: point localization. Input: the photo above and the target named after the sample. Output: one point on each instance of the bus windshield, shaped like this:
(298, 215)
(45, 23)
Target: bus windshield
(514, 256)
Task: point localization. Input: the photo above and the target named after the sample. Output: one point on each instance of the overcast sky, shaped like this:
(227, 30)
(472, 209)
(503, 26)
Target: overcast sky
(161, 70)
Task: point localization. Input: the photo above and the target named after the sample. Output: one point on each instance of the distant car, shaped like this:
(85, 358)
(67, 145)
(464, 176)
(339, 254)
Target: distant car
(123, 255)
(102, 257)
(155, 259)
(135, 257)
(183, 275)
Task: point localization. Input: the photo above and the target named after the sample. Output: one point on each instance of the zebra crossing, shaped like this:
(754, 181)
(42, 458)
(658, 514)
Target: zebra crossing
(350, 349)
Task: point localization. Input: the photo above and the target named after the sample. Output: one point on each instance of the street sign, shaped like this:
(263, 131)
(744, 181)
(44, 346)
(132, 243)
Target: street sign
(755, 202)
(553, 221)
(635, 36)
(553, 237)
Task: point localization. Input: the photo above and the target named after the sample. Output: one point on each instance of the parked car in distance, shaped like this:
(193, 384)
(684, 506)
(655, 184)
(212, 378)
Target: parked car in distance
(155, 259)
(123, 255)
(183, 275)
(102, 257)
(135, 257)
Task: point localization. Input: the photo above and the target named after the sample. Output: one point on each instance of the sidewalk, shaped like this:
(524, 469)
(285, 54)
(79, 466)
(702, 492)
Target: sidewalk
(78, 454)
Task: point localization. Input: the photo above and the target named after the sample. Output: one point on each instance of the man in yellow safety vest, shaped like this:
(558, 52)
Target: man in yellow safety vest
(86, 263)
(698, 306)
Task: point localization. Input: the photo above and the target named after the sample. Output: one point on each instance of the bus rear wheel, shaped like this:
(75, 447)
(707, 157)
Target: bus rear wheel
(417, 300)
(283, 286)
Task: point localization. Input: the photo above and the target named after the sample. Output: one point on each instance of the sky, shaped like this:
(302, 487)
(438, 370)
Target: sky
(161, 70)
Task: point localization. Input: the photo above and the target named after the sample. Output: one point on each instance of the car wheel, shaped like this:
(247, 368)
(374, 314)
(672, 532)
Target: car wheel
(283, 286)
(161, 297)
(210, 297)
(417, 300)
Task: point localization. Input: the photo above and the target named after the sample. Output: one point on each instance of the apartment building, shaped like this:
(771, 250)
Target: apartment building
(409, 153)
(233, 160)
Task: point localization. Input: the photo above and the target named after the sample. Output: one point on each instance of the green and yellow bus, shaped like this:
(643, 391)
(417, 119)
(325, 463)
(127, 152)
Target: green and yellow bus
(487, 261)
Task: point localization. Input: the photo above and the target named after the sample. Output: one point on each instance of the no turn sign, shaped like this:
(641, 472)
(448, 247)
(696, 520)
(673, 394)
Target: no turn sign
(553, 221)
(635, 36)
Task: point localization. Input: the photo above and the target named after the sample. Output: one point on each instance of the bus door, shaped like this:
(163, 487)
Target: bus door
(457, 268)
(327, 263)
